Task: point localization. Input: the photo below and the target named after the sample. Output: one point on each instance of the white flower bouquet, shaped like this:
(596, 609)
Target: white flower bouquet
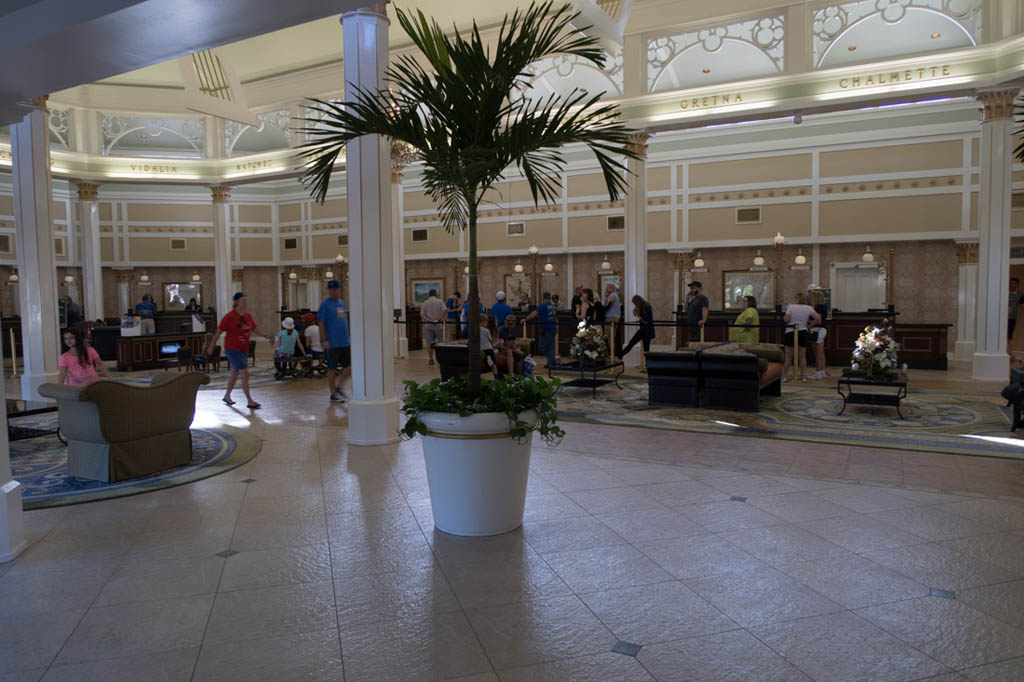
(589, 346)
(874, 352)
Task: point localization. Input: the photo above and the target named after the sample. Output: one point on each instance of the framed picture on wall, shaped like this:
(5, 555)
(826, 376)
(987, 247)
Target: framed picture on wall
(515, 284)
(603, 281)
(739, 283)
(421, 289)
(177, 295)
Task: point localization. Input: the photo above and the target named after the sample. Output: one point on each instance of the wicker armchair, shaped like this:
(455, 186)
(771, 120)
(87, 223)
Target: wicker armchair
(117, 431)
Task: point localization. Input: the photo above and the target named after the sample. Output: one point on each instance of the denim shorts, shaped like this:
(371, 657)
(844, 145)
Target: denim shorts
(238, 359)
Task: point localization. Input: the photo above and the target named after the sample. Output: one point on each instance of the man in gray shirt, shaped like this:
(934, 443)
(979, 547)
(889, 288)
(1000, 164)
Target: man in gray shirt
(431, 313)
(1016, 299)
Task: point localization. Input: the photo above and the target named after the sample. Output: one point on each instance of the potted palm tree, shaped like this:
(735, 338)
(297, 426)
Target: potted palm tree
(461, 108)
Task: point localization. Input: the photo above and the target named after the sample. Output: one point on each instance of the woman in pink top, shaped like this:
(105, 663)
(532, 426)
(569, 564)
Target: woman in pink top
(78, 366)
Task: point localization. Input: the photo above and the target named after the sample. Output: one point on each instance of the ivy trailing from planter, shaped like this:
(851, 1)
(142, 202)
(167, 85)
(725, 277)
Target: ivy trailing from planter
(511, 396)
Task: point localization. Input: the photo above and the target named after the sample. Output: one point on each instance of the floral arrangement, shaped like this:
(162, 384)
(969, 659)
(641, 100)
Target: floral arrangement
(874, 353)
(589, 345)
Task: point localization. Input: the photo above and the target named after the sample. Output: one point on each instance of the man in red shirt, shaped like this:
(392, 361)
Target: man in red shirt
(238, 326)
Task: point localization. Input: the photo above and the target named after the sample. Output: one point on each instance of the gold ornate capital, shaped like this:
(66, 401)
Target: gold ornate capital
(236, 274)
(967, 252)
(87, 190)
(378, 8)
(396, 174)
(41, 101)
(221, 193)
(124, 276)
(314, 273)
(637, 143)
(996, 104)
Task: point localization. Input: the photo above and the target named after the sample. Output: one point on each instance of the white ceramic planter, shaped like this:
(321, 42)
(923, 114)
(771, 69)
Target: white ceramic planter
(477, 473)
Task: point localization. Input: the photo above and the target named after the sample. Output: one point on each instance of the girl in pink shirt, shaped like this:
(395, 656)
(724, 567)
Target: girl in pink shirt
(78, 366)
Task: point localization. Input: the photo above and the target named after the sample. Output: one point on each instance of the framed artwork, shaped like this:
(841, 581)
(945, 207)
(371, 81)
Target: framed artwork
(178, 294)
(604, 280)
(421, 289)
(515, 284)
(739, 283)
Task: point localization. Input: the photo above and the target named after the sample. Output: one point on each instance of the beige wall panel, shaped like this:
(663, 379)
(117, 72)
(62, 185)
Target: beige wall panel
(256, 249)
(764, 169)
(587, 185)
(291, 254)
(58, 210)
(325, 245)
(104, 208)
(289, 213)
(106, 249)
(158, 249)
(438, 241)
(976, 151)
(897, 158)
(6, 205)
(171, 212)
(592, 230)
(719, 224)
(659, 178)
(659, 227)
(417, 201)
(335, 209)
(1016, 219)
(546, 233)
(974, 210)
(890, 214)
(253, 213)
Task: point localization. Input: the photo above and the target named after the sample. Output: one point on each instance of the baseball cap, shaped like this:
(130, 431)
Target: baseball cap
(696, 284)
(238, 295)
(288, 323)
(500, 296)
(333, 284)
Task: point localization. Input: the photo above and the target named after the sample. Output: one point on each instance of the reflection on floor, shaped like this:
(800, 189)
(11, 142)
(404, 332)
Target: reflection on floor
(720, 557)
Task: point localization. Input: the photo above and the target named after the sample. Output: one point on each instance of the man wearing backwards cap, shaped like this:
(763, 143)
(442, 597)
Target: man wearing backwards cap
(500, 309)
(332, 318)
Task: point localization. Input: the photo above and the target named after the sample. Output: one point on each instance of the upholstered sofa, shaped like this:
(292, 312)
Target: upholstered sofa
(729, 376)
(673, 378)
(117, 431)
(735, 375)
(453, 357)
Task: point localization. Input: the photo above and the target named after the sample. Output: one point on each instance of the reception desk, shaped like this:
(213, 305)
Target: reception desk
(175, 322)
(924, 345)
(155, 350)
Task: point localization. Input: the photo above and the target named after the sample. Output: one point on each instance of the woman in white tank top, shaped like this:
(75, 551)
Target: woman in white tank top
(799, 314)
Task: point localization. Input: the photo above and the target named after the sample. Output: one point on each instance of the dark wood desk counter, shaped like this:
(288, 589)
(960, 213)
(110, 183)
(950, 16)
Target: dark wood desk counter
(153, 351)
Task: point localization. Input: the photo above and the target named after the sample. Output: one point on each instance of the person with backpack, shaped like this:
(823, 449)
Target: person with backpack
(547, 323)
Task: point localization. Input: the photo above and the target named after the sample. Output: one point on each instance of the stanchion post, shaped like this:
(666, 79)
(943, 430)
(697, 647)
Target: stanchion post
(796, 350)
(14, 355)
(702, 333)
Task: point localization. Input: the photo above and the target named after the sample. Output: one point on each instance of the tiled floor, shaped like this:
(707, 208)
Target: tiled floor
(722, 558)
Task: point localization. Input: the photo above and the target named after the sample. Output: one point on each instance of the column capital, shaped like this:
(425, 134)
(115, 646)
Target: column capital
(236, 274)
(314, 272)
(124, 275)
(87, 190)
(996, 104)
(378, 8)
(41, 101)
(221, 193)
(967, 252)
(637, 142)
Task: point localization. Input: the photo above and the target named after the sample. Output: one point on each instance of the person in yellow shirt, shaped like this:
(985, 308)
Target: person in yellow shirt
(745, 329)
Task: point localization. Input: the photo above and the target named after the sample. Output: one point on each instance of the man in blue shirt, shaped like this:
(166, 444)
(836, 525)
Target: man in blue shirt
(146, 310)
(500, 309)
(547, 322)
(464, 318)
(332, 318)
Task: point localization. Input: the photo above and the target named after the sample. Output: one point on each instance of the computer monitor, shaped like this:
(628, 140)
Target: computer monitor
(169, 349)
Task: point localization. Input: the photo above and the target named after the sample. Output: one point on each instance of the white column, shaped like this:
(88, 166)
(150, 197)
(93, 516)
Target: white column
(398, 258)
(12, 526)
(221, 249)
(635, 275)
(966, 299)
(991, 363)
(88, 213)
(124, 291)
(36, 267)
(373, 411)
(315, 287)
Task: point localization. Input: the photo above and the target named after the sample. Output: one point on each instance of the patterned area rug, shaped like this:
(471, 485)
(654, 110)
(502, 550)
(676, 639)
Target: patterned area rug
(935, 421)
(260, 375)
(40, 465)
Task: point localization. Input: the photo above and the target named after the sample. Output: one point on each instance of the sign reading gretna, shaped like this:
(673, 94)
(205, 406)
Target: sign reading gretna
(711, 101)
